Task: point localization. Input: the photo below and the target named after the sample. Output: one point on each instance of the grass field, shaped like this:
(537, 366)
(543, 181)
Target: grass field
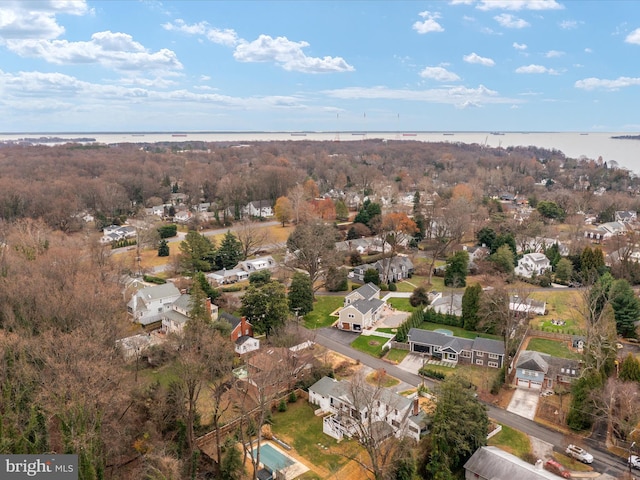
(320, 316)
(552, 347)
(457, 331)
(301, 429)
(513, 441)
(370, 344)
(401, 304)
(396, 355)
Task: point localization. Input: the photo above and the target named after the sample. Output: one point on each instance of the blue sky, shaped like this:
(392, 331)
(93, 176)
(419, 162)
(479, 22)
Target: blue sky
(476, 65)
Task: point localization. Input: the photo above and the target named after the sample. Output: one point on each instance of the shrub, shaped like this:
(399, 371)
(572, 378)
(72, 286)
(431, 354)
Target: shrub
(393, 287)
(282, 406)
(427, 372)
(498, 382)
(152, 279)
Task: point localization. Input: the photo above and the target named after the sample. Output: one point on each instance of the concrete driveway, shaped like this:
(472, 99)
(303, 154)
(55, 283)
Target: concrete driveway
(524, 402)
(411, 363)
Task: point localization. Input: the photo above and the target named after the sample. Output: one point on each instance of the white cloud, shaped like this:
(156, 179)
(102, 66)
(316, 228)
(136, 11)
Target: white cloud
(516, 5)
(588, 50)
(633, 37)
(288, 54)
(509, 21)
(604, 84)
(553, 54)
(113, 50)
(227, 37)
(429, 24)
(30, 19)
(536, 69)
(519, 46)
(475, 58)
(568, 24)
(440, 74)
(456, 96)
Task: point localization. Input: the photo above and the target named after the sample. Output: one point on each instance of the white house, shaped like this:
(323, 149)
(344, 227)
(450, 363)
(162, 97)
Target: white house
(527, 305)
(365, 411)
(258, 208)
(115, 233)
(182, 216)
(256, 264)
(532, 264)
(148, 304)
(174, 319)
(628, 216)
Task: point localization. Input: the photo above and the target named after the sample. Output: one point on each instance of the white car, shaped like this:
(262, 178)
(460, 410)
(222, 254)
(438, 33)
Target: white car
(634, 461)
(579, 454)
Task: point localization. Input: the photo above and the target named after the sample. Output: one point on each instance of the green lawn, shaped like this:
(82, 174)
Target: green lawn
(401, 304)
(370, 344)
(513, 441)
(437, 283)
(320, 316)
(397, 355)
(457, 331)
(551, 347)
(299, 427)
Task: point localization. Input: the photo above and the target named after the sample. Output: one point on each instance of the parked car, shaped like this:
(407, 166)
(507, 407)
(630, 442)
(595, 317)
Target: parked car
(579, 454)
(634, 461)
(555, 467)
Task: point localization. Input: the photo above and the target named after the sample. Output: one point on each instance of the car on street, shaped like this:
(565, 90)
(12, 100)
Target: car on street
(579, 454)
(557, 468)
(634, 461)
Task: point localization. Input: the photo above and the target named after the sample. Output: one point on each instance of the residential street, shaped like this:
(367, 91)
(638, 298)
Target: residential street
(604, 462)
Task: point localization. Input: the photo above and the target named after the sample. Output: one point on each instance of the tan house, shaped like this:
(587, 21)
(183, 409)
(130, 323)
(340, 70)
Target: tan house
(362, 309)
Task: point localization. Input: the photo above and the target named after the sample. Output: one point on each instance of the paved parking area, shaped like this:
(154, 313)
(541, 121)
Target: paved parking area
(524, 402)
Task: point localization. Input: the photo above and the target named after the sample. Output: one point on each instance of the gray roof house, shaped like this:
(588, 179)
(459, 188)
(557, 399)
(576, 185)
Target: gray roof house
(394, 269)
(491, 463)
(541, 371)
(380, 409)
(446, 347)
(362, 308)
(148, 304)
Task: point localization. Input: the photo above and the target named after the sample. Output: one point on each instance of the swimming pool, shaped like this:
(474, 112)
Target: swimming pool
(444, 331)
(272, 458)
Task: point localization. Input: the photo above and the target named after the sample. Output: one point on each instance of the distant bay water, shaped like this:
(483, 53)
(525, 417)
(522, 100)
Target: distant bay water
(626, 152)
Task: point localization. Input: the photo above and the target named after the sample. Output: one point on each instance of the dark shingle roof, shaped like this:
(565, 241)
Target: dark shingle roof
(233, 320)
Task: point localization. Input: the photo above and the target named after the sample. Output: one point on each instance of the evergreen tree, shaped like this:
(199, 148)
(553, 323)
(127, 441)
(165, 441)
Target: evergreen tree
(626, 308)
(229, 253)
(459, 427)
(503, 259)
(206, 287)
(371, 275)
(630, 369)
(260, 278)
(471, 306)
(457, 266)
(196, 249)
(266, 307)
(564, 270)
(163, 248)
(300, 294)
(486, 236)
(553, 254)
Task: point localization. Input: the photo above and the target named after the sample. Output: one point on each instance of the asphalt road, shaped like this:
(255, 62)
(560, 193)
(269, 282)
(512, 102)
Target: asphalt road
(604, 462)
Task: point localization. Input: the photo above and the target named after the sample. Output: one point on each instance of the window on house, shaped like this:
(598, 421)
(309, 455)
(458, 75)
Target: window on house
(465, 354)
(573, 372)
(493, 364)
(479, 362)
(495, 356)
(351, 315)
(481, 354)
